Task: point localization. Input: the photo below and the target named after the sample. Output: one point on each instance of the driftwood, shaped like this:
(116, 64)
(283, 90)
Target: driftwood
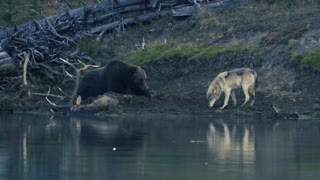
(51, 42)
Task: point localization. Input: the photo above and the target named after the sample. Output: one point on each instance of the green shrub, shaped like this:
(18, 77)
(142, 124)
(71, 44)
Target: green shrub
(312, 60)
(296, 58)
(178, 52)
(213, 51)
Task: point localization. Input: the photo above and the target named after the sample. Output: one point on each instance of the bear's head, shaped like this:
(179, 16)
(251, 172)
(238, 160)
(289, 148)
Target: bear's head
(138, 84)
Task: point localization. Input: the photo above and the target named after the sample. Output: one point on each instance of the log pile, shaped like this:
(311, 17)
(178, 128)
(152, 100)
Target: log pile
(44, 52)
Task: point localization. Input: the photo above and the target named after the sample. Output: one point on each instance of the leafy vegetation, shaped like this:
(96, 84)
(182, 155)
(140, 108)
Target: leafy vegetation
(312, 60)
(296, 57)
(187, 52)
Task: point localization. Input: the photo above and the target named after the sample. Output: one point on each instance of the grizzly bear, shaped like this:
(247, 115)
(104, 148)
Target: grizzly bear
(117, 77)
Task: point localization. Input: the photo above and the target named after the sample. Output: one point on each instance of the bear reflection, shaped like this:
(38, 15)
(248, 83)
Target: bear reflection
(110, 133)
(234, 144)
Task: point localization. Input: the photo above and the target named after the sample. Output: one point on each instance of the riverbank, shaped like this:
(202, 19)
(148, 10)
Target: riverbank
(183, 55)
(274, 41)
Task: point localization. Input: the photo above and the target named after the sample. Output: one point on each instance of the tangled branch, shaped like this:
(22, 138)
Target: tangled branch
(45, 57)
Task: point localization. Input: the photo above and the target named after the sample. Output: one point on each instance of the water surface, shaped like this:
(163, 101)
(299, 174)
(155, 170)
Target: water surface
(36, 147)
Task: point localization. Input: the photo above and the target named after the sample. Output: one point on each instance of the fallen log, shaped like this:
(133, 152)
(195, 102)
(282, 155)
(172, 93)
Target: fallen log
(130, 20)
(6, 65)
(181, 11)
(82, 12)
(3, 55)
(89, 16)
(176, 11)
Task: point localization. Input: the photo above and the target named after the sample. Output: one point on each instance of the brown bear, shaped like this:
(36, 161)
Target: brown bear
(117, 77)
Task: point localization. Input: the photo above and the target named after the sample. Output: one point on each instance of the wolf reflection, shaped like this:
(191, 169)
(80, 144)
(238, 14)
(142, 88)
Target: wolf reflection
(231, 145)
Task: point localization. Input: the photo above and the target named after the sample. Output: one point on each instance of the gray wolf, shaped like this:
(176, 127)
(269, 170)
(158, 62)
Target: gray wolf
(228, 81)
(118, 77)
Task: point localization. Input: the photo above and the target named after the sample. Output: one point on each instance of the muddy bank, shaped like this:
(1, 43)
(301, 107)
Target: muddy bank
(283, 91)
(285, 88)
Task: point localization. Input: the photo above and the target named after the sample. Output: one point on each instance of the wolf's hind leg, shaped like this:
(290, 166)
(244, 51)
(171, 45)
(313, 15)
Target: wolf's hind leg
(226, 99)
(246, 94)
(233, 97)
(252, 92)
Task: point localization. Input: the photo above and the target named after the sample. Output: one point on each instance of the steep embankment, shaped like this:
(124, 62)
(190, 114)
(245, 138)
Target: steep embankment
(274, 43)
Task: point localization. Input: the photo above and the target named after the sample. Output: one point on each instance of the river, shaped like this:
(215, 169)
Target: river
(43, 147)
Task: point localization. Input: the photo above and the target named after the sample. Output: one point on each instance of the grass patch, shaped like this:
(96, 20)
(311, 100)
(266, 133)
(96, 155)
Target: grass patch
(312, 60)
(90, 46)
(289, 3)
(296, 57)
(186, 52)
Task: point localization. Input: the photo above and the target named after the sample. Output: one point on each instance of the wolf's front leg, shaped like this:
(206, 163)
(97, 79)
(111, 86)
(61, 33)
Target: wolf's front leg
(226, 99)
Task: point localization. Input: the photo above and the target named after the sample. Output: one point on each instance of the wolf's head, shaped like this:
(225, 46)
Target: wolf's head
(213, 96)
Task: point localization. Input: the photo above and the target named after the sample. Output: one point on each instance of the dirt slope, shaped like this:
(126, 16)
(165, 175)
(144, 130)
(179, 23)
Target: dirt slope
(285, 89)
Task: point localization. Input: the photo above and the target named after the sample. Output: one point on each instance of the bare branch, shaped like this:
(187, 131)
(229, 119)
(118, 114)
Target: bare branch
(86, 66)
(55, 105)
(63, 92)
(48, 95)
(77, 81)
(26, 60)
